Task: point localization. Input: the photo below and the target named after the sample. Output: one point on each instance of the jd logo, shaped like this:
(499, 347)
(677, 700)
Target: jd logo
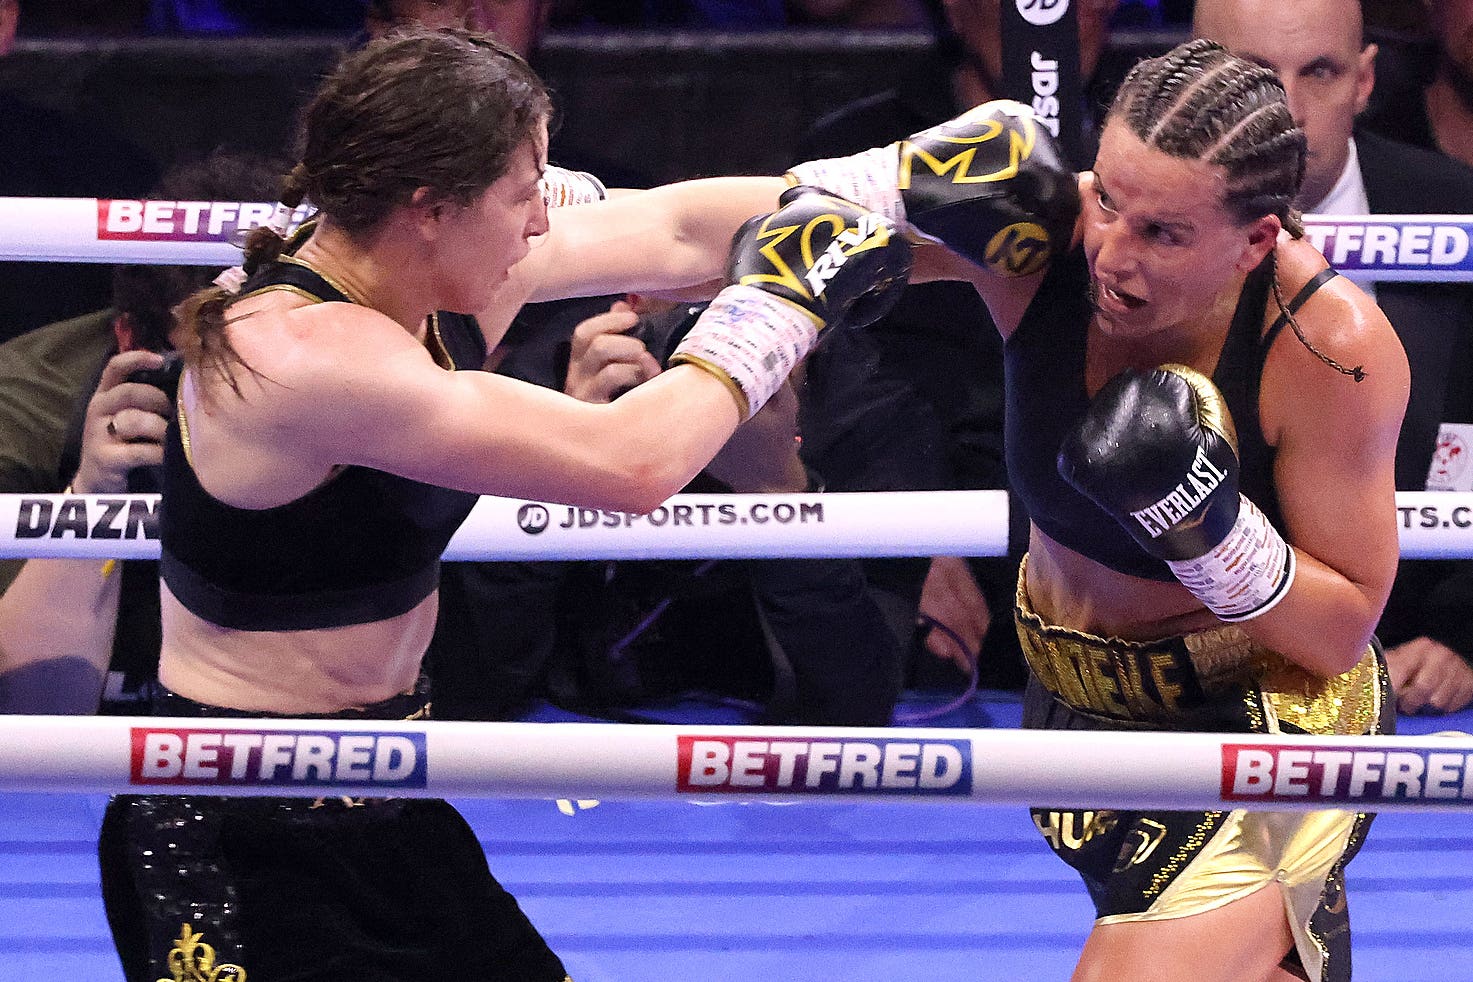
(532, 518)
(1041, 13)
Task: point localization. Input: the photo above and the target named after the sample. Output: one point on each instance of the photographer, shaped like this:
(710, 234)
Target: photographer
(83, 408)
(791, 640)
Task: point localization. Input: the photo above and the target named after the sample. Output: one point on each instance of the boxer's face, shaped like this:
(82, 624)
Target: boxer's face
(1163, 250)
(1314, 46)
(478, 243)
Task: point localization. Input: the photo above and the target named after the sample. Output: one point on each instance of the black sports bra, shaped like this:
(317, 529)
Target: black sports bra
(1047, 396)
(363, 546)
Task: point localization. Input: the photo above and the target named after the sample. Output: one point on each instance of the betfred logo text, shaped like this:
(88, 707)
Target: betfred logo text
(1350, 775)
(278, 757)
(1398, 243)
(794, 765)
(180, 221)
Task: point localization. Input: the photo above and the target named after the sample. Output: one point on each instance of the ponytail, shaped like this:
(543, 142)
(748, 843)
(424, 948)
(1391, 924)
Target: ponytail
(203, 314)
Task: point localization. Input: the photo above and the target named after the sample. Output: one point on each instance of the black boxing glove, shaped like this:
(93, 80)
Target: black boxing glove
(818, 262)
(991, 184)
(1158, 452)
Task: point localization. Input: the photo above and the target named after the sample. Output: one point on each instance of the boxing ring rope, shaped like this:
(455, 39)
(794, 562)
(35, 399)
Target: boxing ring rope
(1110, 769)
(1431, 525)
(605, 761)
(1391, 248)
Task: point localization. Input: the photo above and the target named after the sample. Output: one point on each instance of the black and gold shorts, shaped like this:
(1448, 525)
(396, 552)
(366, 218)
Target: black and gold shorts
(236, 889)
(1141, 866)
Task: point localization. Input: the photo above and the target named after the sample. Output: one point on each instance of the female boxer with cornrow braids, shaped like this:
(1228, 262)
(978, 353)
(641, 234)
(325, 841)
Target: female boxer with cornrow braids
(1213, 514)
(1188, 477)
(327, 445)
(1239, 125)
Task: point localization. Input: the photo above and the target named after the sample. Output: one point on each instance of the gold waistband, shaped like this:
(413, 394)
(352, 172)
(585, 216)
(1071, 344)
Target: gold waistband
(1213, 679)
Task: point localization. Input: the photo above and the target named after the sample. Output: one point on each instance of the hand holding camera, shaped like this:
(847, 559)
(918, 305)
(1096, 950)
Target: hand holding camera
(609, 356)
(126, 421)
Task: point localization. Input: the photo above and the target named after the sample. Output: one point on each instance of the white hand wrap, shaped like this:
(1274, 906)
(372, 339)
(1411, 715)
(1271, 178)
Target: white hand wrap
(1245, 574)
(870, 179)
(751, 340)
(562, 187)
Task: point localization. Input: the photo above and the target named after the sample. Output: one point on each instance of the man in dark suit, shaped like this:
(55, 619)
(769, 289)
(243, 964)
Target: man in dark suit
(1318, 49)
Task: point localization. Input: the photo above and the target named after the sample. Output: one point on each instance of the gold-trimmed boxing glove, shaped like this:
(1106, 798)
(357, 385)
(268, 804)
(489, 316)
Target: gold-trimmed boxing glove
(1159, 452)
(991, 184)
(817, 263)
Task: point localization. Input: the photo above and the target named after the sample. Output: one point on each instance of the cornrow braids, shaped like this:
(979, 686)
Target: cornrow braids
(1358, 372)
(1200, 102)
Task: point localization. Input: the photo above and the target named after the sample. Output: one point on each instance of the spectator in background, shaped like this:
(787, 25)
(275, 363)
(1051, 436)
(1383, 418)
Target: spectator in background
(239, 17)
(891, 14)
(1435, 108)
(803, 639)
(50, 153)
(519, 24)
(70, 419)
(1318, 49)
(714, 14)
(914, 402)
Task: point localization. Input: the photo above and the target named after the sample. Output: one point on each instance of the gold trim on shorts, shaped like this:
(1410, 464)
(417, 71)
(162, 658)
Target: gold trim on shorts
(1217, 676)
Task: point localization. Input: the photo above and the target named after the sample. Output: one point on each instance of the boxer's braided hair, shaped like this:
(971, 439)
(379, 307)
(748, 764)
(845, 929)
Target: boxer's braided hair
(1199, 102)
(437, 109)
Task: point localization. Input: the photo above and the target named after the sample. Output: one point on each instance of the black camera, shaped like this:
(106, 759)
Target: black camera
(165, 377)
(149, 480)
(662, 330)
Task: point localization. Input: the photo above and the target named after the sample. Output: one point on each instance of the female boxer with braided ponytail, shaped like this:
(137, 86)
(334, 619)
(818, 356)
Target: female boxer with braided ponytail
(326, 448)
(1212, 502)
(1190, 473)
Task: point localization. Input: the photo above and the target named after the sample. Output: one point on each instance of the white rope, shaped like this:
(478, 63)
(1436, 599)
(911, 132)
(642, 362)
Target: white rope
(103, 230)
(1432, 525)
(1111, 769)
(1424, 248)
(709, 526)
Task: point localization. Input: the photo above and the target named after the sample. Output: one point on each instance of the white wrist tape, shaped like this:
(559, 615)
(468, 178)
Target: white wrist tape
(751, 340)
(1245, 574)
(562, 187)
(870, 179)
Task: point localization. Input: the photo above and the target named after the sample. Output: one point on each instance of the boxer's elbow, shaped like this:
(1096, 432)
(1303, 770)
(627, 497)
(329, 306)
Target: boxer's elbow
(638, 483)
(1342, 657)
(1330, 649)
